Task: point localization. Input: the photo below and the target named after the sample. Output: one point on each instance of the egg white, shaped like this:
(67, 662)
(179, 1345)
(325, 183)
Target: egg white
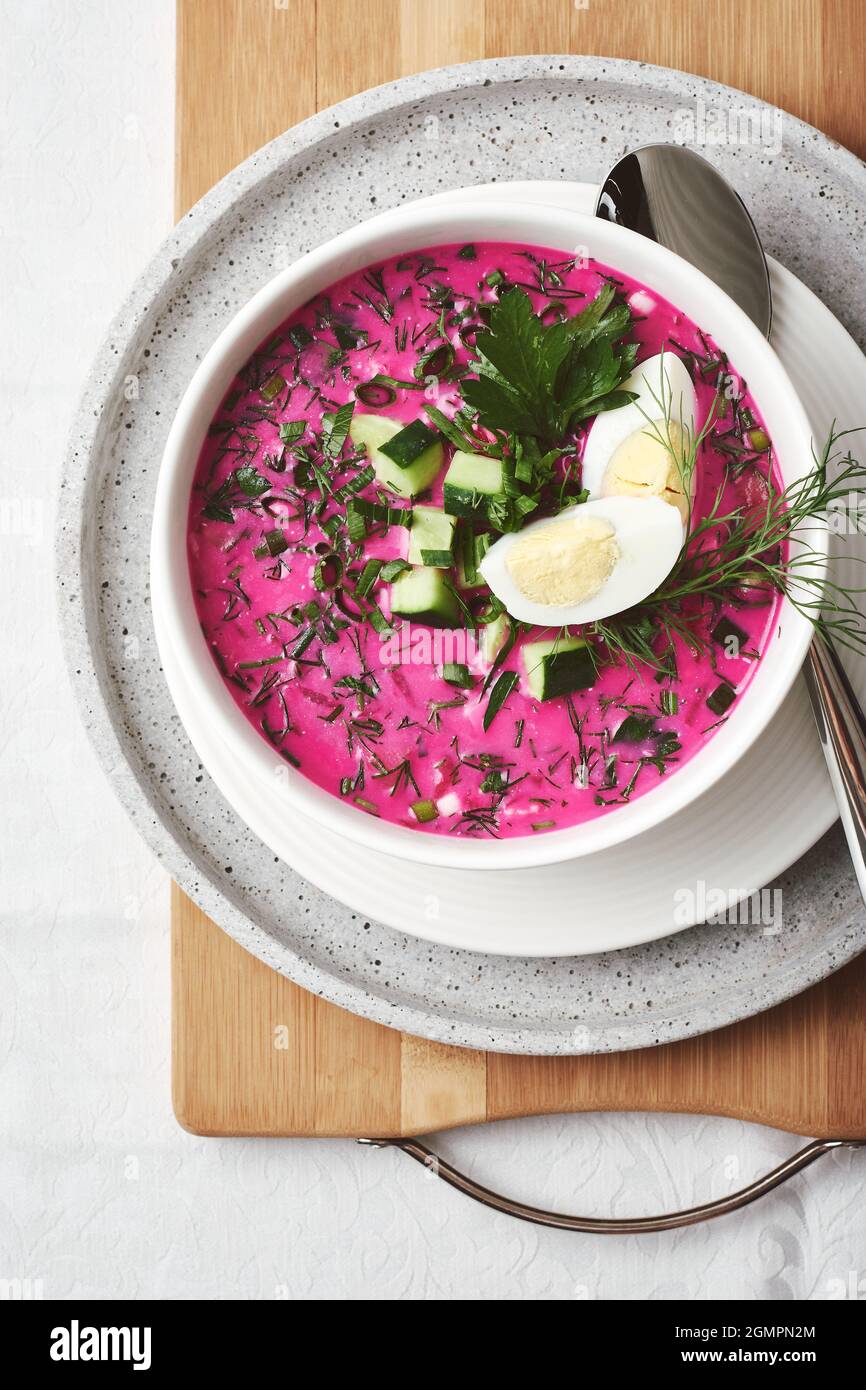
(649, 535)
(662, 378)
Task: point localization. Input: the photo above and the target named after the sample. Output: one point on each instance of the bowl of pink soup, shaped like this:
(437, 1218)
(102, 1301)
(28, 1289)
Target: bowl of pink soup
(329, 493)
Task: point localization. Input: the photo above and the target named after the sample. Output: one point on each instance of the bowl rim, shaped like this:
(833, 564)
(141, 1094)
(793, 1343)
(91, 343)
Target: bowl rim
(416, 226)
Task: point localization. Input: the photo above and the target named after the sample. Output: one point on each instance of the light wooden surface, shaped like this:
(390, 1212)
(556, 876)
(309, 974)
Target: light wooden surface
(253, 1053)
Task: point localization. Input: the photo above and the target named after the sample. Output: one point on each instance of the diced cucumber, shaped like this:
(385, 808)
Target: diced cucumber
(432, 530)
(721, 699)
(730, 636)
(375, 430)
(493, 636)
(558, 667)
(423, 596)
(408, 445)
(471, 482)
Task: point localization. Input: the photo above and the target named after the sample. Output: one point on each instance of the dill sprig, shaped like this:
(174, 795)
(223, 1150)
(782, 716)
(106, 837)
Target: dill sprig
(746, 556)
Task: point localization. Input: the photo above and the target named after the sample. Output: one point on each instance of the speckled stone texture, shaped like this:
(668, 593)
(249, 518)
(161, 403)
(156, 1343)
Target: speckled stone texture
(508, 119)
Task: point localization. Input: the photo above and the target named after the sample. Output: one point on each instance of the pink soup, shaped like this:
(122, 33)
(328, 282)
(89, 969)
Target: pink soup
(359, 702)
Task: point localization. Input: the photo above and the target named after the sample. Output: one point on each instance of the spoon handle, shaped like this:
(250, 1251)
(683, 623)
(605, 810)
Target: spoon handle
(842, 731)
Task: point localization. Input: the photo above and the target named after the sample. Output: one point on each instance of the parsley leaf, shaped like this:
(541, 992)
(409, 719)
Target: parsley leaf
(540, 380)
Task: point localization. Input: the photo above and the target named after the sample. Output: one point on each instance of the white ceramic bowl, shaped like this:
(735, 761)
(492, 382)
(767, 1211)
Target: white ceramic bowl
(227, 743)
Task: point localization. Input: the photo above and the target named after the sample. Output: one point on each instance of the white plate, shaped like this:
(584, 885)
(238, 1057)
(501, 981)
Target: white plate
(761, 817)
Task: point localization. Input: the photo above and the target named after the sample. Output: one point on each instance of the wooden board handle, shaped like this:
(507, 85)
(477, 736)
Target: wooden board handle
(255, 1054)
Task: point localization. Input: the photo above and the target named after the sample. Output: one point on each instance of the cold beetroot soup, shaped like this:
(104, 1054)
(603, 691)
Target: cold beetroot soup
(360, 473)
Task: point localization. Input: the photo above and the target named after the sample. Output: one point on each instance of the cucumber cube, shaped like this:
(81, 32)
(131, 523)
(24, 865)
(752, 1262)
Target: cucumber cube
(423, 596)
(374, 431)
(407, 446)
(472, 481)
(557, 668)
(721, 699)
(432, 530)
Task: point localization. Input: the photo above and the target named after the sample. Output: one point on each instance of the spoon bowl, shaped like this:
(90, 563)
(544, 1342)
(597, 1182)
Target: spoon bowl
(677, 198)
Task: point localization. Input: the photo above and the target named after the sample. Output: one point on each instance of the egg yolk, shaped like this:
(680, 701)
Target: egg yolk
(645, 466)
(565, 562)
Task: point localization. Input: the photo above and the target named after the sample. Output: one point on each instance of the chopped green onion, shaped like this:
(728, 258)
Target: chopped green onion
(359, 512)
(356, 522)
(273, 387)
(375, 394)
(391, 570)
(353, 486)
(494, 608)
(367, 578)
(437, 362)
(291, 430)
(338, 429)
(466, 549)
(498, 695)
(273, 543)
(328, 571)
(378, 621)
(447, 427)
(302, 643)
(494, 783)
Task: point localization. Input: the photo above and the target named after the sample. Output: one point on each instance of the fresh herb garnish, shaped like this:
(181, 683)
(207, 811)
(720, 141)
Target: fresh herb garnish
(498, 695)
(336, 429)
(457, 673)
(539, 381)
(242, 488)
(292, 430)
(744, 553)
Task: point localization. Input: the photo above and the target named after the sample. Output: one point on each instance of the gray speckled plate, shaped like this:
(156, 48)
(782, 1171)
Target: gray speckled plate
(509, 119)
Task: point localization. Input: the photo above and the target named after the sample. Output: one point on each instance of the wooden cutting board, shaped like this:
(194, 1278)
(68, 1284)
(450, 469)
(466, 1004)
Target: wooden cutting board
(253, 1053)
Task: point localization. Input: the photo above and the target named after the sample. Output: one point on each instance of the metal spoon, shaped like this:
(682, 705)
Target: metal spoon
(675, 197)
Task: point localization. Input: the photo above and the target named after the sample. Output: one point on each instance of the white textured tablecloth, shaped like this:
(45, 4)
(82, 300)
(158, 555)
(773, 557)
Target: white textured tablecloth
(101, 1193)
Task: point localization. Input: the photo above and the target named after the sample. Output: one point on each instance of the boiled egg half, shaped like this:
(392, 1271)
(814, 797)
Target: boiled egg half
(593, 560)
(638, 449)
